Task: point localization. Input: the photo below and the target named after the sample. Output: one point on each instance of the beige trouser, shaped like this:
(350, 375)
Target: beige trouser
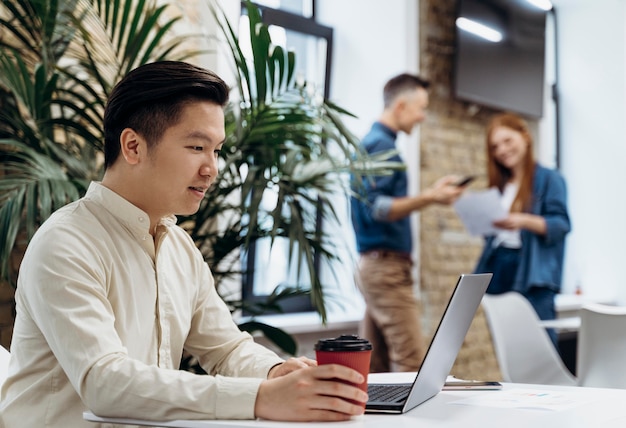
(391, 322)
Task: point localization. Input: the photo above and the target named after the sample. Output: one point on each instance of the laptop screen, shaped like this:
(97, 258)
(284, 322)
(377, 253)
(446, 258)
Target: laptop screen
(445, 344)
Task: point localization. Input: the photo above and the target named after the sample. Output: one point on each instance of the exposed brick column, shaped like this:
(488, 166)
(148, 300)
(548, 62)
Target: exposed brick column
(452, 142)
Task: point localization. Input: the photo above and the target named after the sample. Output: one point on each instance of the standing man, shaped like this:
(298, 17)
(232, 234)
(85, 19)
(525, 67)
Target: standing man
(111, 291)
(380, 216)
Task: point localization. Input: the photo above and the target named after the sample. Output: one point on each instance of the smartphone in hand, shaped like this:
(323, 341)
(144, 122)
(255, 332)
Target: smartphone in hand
(465, 181)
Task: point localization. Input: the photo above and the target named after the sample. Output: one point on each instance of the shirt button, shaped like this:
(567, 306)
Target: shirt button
(141, 219)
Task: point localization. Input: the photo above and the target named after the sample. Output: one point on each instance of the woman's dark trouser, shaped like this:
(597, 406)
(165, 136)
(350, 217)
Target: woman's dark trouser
(503, 264)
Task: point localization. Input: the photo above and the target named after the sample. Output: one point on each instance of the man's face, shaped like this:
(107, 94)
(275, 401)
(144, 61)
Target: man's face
(181, 167)
(412, 110)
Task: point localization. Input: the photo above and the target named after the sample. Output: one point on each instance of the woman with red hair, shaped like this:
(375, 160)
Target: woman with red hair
(526, 254)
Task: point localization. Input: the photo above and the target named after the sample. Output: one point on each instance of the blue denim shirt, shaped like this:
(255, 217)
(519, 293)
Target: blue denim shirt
(370, 210)
(541, 257)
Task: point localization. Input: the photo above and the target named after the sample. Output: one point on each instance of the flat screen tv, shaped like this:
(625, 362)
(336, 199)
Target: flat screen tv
(507, 74)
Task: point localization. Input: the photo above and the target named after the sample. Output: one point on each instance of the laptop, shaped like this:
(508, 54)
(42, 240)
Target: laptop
(441, 353)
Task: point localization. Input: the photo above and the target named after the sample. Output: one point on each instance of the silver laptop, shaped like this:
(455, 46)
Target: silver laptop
(441, 354)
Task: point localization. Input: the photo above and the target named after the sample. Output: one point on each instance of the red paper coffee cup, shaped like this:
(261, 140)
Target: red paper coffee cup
(347, 350)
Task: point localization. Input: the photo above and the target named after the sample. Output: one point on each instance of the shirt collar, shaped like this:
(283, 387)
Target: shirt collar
(384, 128)
(128, 214)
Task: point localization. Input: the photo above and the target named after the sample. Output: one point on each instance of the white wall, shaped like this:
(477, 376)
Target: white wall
(374, 41)
(592, 52)
(545, 143)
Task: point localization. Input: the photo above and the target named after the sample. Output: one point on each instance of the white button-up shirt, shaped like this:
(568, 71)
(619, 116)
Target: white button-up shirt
(103, 314)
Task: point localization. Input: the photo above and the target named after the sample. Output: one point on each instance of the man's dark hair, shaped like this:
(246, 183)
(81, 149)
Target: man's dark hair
(402, 83)
(150, 98)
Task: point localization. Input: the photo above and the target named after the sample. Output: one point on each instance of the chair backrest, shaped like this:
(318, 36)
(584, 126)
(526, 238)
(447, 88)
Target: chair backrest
(601, 348)
(4, 364)
(523, 348)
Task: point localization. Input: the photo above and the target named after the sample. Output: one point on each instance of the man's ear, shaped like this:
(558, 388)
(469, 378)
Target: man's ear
(398, 105)
(132, 146)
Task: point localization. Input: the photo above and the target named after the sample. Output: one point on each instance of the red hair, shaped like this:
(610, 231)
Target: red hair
(498, 174)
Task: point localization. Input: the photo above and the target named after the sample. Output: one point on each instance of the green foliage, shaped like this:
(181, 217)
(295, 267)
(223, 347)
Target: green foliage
(58, 62)
(283, 139)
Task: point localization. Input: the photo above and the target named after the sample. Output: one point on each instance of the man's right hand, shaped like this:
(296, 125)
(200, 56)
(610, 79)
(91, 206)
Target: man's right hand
(445, 191)
(311, 394)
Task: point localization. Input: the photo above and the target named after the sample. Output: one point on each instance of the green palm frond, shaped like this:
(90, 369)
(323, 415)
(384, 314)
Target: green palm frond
(38, 29)
(120, 35)
(284, 139)
(59, 60)
(33, 185)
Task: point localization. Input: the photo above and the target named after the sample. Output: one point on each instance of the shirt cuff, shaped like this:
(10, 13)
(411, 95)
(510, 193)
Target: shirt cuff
(381, 208)
(236, 397)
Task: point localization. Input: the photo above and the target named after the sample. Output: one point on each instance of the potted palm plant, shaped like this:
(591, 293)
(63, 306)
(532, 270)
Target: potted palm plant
(58, 62)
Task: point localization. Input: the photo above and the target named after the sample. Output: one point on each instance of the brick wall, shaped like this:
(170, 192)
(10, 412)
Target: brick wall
(7, 294)
(6, 314)
(452, 142)
(7, 298)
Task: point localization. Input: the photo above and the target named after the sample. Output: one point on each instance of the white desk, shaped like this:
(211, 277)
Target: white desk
(567, 308)
(562, 324)
(582, 408)
(568, 305)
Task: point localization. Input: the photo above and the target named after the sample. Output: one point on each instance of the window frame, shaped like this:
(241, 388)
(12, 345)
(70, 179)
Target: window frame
(308, 27)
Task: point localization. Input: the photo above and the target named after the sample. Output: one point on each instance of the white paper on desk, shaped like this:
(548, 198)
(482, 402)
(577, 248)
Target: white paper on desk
(479, 209)
(528, 399)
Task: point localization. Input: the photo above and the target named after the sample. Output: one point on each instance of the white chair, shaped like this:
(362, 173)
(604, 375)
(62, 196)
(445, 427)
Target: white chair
(523, 348)
(4, 364)
(601, 348)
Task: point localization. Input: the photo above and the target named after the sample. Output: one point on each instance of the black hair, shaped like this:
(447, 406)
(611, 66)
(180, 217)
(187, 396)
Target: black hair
(150, 99)
(402, 83)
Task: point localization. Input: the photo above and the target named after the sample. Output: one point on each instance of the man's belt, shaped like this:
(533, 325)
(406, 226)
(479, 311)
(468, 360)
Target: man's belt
(387, 254)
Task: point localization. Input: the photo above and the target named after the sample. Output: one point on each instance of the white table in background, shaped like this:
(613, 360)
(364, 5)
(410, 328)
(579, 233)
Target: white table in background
(569, 305)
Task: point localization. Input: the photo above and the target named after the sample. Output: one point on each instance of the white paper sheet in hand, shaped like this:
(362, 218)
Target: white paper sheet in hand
(479, 209)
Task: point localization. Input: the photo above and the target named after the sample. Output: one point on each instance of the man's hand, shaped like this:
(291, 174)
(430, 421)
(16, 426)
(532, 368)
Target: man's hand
(312, 393)
(445, 190)
(289, 366)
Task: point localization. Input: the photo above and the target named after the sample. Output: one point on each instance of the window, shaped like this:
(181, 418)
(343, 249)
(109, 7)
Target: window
(292, 27)
(296, 7)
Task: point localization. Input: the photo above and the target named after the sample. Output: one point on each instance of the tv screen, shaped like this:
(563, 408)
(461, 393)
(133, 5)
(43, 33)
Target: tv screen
(506, 71)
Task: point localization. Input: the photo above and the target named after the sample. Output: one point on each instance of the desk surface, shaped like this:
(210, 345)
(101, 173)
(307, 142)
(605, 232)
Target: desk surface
(515, 406)
(562, 324)
(569, 304)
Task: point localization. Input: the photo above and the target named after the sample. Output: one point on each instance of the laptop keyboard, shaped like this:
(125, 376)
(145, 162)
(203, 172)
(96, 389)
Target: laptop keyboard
(388, 393)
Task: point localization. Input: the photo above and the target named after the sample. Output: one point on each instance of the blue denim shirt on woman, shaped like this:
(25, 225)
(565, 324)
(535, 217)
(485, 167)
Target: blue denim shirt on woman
(369, 212)
(541, 257)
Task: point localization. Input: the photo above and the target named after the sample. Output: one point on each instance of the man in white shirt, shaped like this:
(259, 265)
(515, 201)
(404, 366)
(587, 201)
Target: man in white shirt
(111, 291)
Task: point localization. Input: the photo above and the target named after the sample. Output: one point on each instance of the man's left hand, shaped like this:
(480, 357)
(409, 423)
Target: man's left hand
(292, 364)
